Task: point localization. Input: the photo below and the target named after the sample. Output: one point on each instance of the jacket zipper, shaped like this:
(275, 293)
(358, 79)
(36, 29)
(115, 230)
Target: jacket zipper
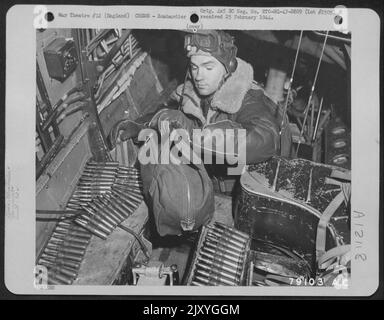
(188, 223)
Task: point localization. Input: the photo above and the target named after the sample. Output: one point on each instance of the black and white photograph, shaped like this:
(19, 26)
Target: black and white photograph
(174, 149)
(104, 216)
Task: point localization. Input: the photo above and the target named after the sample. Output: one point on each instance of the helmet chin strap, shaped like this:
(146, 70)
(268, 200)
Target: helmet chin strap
(226, 76)
(223, 79)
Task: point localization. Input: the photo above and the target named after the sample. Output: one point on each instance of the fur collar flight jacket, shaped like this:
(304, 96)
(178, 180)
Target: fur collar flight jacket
(181, 197)
(240, 104)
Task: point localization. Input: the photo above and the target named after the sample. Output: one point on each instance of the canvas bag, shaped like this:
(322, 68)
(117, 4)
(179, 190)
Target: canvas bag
(180, 196)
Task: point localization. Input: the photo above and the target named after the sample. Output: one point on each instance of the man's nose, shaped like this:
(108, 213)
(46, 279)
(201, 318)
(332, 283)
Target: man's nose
(199, 74)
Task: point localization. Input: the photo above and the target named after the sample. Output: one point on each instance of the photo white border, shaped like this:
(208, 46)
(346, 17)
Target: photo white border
(19, 251)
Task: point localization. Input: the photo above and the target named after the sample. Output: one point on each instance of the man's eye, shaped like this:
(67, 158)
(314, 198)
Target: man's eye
(209, 68)
(193, 68)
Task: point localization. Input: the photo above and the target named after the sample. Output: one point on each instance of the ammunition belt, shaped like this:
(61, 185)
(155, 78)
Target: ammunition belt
(220, 258)
(104, 197)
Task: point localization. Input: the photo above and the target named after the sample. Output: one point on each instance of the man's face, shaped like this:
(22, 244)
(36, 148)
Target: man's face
(207, 73)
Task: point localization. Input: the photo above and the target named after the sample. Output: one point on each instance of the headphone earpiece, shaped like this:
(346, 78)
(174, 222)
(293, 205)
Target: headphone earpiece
(232, 66)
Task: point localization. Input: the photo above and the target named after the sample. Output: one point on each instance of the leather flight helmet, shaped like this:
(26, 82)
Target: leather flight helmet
(217, 43)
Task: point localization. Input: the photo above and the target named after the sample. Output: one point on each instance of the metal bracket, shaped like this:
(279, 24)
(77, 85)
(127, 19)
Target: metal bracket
(153, 273)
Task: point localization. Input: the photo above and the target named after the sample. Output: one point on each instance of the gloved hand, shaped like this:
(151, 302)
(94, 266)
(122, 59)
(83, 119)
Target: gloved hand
(176, 119)
(130, 129)
(214, 138)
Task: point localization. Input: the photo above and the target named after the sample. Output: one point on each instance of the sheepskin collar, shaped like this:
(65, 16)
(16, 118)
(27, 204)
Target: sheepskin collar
(227, 99)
